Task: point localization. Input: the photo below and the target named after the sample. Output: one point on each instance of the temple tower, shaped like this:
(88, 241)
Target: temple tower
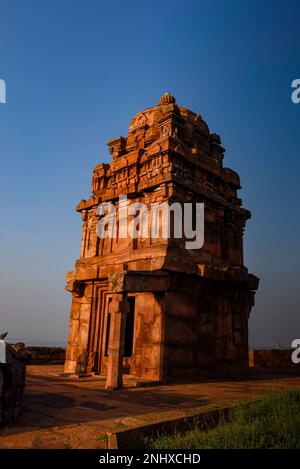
(150, 306)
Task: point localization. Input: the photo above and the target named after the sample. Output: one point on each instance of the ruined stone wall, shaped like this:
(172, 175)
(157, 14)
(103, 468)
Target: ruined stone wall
(12, 382)
(274, 358)
(46, 355)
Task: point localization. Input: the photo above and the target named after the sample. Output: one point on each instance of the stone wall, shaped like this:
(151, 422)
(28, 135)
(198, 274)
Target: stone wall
(274, 358)
(12, 382)
(206, 328)
(46, 355)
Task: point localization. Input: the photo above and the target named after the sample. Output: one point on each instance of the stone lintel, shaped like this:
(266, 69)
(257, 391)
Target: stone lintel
(139, 281)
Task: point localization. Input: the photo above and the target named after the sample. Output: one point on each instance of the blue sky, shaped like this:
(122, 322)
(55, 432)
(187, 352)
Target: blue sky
(77, 71)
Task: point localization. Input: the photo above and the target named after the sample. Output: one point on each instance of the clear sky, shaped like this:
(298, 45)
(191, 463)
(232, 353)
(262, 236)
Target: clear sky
(77, 71)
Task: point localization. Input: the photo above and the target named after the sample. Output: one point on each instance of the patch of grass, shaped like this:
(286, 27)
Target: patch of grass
(102, 438)
(273, 421)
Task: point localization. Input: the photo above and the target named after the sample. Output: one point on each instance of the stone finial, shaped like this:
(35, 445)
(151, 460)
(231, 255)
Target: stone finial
(167, 98)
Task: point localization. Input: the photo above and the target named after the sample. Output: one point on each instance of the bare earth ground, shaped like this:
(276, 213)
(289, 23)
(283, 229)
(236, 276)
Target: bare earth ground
(62, 412)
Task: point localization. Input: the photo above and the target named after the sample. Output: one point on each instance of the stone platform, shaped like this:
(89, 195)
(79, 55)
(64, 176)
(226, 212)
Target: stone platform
(62, 412)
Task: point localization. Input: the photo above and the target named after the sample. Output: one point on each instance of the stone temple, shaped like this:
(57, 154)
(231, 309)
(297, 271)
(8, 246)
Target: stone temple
(151, 307)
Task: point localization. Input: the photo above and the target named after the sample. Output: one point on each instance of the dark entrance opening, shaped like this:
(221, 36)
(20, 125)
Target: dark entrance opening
(129, 327)
(107, 328)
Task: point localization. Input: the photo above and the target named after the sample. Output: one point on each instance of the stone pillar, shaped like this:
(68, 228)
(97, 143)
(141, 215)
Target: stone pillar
(118, 310)
(76, 353)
